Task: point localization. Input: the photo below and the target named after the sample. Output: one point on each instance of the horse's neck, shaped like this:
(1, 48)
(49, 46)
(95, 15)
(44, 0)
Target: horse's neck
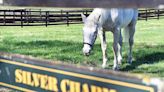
(93, 17)
(103, 13)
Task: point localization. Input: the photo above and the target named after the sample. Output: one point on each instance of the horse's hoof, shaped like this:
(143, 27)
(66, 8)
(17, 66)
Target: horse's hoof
(130, 62)
(116, 68)
(103, 66)
(119, 62)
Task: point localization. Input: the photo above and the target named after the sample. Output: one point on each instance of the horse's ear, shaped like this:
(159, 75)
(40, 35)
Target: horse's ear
(83, 18)
(98, 18)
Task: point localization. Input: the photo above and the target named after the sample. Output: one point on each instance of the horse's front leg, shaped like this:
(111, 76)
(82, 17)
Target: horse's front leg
(116, 35)
(103, 47)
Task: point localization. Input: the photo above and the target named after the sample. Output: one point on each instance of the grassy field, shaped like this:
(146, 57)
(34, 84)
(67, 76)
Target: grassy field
(65, 44)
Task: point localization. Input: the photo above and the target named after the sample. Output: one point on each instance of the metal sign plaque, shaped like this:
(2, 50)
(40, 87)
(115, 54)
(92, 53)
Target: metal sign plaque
(25, 74)
(88, 3)
(1, 1)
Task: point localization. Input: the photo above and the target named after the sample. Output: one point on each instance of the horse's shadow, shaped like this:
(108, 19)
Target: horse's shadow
(146, 58)
(46, 46)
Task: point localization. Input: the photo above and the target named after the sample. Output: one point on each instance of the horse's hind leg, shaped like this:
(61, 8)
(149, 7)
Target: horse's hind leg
(131, 41)
(131, 28)
(103, 47)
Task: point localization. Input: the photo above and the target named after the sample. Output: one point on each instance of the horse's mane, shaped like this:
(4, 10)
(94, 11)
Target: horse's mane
(93, 17)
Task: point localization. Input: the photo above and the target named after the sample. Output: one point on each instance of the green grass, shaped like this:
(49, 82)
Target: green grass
(65, 44)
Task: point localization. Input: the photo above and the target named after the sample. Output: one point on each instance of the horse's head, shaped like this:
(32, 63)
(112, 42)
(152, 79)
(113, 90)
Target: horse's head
(90, 30)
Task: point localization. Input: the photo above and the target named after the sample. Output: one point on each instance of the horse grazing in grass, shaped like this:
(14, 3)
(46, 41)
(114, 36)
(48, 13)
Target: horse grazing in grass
(102, 20)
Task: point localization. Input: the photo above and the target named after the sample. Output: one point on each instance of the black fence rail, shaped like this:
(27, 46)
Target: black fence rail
(146, 14)
(38, 17)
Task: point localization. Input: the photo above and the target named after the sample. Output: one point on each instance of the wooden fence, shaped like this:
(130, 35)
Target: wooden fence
(146, 14)
(44, 18)
(40, 18)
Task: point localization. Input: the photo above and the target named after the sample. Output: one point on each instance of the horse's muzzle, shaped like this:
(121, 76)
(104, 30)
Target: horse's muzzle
(86, 49)
(86, 54)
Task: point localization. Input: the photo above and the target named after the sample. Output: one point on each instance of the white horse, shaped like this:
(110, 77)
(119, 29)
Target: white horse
(102, 20)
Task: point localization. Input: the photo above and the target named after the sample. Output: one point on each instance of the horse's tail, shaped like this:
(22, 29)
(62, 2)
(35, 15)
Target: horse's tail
(126, 35)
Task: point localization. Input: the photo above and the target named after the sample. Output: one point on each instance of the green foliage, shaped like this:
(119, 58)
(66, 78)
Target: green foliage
(64, 43)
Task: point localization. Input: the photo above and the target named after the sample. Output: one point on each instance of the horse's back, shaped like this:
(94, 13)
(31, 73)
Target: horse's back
(117, 17)
(123, 17)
